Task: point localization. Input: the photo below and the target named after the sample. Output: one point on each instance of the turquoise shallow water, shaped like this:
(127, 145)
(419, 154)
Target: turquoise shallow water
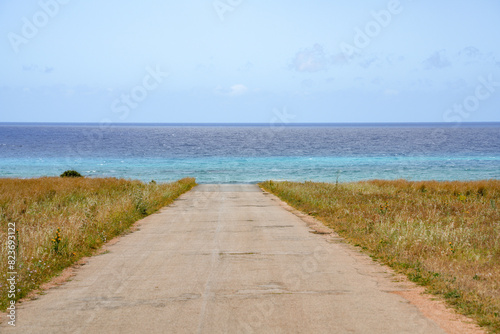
(254, 169)
(239, 154)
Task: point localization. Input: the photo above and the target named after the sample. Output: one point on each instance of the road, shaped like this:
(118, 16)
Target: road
(225, 259)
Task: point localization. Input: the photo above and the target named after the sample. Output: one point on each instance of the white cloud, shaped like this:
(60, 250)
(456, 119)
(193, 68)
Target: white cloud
(234, 90)
(438, 59)
(391, 92)
(36, 68)
(238, 89)
(310, 60)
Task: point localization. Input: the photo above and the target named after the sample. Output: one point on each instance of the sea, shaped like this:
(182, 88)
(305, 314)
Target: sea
(250, 153)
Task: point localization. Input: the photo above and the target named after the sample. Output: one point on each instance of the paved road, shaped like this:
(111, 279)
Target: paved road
(225, 259)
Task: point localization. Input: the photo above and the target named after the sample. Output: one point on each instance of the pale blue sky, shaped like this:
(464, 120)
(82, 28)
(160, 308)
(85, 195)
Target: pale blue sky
(249, 61)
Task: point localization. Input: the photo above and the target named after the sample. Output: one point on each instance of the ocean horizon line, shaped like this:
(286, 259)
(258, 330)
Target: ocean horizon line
(257, 124)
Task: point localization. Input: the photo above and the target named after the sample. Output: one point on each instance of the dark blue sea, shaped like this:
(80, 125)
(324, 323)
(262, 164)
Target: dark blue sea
(252, 153)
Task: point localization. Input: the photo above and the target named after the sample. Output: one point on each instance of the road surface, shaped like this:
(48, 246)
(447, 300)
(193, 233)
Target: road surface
(225, 259)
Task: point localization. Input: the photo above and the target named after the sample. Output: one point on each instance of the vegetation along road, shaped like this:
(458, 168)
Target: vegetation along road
(228, 259)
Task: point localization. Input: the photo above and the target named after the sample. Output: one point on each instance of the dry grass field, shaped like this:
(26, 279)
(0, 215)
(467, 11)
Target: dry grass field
(59, 220)
(443, 235)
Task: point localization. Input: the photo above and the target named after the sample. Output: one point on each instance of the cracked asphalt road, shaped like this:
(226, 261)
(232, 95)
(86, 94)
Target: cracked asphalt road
(225, 259)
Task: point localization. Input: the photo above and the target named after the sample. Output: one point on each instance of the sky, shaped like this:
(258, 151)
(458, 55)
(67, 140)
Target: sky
(239, 61)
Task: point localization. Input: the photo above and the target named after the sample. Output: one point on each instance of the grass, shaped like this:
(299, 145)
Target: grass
(442, 235)
(59, 220)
